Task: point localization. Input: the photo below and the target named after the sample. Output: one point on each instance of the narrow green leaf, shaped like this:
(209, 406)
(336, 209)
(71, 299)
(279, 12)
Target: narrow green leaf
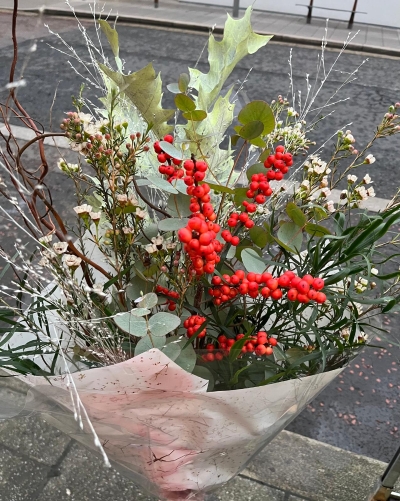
(220, 188)
(316, 230)
(184, 103)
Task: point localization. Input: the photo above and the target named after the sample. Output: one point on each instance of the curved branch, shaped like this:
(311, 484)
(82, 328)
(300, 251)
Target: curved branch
(37, 138)
(147, 202)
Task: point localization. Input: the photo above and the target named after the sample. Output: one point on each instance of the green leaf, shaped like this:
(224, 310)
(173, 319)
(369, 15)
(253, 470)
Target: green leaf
(246, 244)
(316, 230)
(240, 196)
(236, 348)
(264, 155)
(251, 130)
(112, 36)
(238, 41)
(260, 236)
(140, 312)
(161, 183)
(183, 82)
(204, 373)
(174, 88)
(255, 169)
(218, 188)
(258, 111)
(144, 89)
(252, 261)
(290, 237)
(135, 326)
(171, 150)
(172, 349)
(187, 358)
(148, 343)
(178, 205)
(234, 139)
(163, 323)
(172, 224)
(184, 103)
(148, 301)
(296, 214)
(195, 116)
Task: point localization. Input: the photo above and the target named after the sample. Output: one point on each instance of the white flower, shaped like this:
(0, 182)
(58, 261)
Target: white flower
(60, 247)
(46, 239)
(44, 262)
(362, 193)
(85, 117)
(141, 213)
(349, 138)
(343, 195)
(150, 248)
(351, 179)
(367, 179)
(371, 192)
(324, 182)
(122, 199)
(330, 206)
(362, 337)
(325, 192)
(305, 184)
(72, 261)
(128, 231)
(83, 210)
(170, 245)
(369, 159)
(95, 216)
(158, 241)
(67, 167)
(132, 200)
(374, 271)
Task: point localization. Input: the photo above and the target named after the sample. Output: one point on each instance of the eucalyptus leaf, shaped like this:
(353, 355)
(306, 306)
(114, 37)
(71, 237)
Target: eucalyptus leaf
(161, 183)
(178, 205)
(187, 358)
(174, 88)
(251, 130)
(252, 261)
(162, 323)
(258, 111)
(172, 224)
(148, 343)
(140, 312)
(255, 169)
(135, 326)
(183, 82)
(172, 350)
(260, 236)
(171, 150)
(316, 230)
(195, 116)
(291, 236)
(296, 214)
(148, 301)
(204, 373)
(184, 103)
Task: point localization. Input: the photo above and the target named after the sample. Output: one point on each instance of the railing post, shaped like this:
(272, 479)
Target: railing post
(156, 4)
(235, 8)
(353, 13)
(309, 15)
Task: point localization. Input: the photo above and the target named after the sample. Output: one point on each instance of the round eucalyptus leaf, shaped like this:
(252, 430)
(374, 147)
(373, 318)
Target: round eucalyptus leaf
(252, 261)
(204, 373)
(172, 224)
(171, 150)
(136, 326)
(172, 350)
(162, 323)
(148, 343)
(140, 312)
(251, 130)
(148, 301)
(161, 183)
(184, 103)
(187, 358)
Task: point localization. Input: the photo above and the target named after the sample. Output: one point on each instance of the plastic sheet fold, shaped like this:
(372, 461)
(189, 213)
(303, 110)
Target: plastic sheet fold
(160, 427)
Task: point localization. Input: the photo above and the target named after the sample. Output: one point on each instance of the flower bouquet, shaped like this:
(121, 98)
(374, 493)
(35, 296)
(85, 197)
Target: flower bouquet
(209, 286)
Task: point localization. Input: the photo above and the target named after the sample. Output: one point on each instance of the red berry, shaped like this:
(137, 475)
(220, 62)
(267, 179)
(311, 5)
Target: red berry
(312, 294)
(318, 283)
(265, 292)
(216, 280)
(249, 224)
(303, 287)
(292, 294)
(185, 235)
(284, 280)
(269, 351)
(272, 341)
(302, 298)
(210, 357)
(261, 350)
(309, 279)
(232, 222)
(168, 138)
(321, 297)
(235, 241)
(276, 294)
(162, 158)
(280, 149)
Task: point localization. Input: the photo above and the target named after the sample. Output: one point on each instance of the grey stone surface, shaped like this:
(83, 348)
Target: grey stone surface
(32, 436)
(243, 489)
(21, 478)
(315, 470)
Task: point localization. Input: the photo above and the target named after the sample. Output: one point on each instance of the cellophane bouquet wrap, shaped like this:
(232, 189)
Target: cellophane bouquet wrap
(213, 279)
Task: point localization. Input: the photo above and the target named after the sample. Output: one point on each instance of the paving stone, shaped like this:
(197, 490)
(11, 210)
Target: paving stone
(243, 489)
(20, 478)
(83, 477)
(31, 436)
(306, 468)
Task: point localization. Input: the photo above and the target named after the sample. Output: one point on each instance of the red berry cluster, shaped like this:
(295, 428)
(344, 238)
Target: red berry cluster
(279, 164)
(260, 344)
(254, 284)
(170, 166)
(259, 190)
(171, 295)
(200, 234)
(193, 324)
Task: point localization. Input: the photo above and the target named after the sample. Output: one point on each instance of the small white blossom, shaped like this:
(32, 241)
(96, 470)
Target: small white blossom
(362, 337)
(371, 192)
(122, 199)
(83, 210)
(95, 216)
(330, 206)
(141, 213)
(72, 261)
(351, 179)
(158, 241)
(325, 192)
(361, 192)
(369, 159)
(170, 245)
(67, 167)
(85, 118)
(128, 231)
(324, 182)
(305, 184)
(367, 179)
(60, 247)
(150, 248)
(46, 239)
(349, 138)
(374, 271)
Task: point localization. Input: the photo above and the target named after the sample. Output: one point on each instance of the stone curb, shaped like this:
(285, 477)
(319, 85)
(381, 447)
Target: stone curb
(202, 28)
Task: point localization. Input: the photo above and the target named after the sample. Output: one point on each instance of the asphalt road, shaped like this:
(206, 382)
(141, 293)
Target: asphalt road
(360, 411)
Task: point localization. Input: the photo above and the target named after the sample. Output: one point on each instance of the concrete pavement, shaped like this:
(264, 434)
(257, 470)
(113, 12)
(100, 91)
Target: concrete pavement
(178, 14)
